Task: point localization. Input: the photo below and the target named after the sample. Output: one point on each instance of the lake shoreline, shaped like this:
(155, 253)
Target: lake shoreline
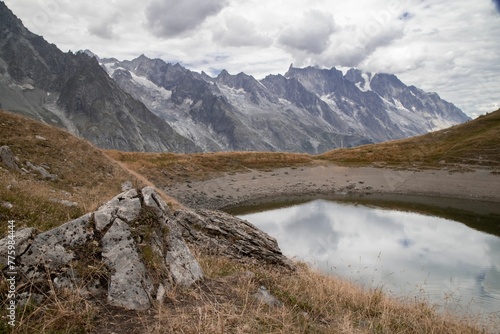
(329, 181)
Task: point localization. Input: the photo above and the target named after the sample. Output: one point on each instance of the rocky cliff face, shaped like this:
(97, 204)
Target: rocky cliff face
(131, 250)
(72, 91)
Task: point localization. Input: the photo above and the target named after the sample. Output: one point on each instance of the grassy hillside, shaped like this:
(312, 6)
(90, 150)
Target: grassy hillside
(84, 174)
(474, 143)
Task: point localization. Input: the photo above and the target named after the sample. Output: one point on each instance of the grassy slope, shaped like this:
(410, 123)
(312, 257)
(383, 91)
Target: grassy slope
(473, 143)
(313, 303)
(85, 175)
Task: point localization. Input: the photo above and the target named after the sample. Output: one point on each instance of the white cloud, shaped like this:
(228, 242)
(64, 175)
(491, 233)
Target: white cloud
(311, 34)
(238, 31)
(104, 28)
(450, 49)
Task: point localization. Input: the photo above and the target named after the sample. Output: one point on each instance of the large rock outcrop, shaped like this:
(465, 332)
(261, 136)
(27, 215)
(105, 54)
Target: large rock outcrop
(131, 250)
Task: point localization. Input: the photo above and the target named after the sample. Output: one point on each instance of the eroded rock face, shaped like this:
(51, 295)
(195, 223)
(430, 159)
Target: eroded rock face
(132, 250)
(220, 233)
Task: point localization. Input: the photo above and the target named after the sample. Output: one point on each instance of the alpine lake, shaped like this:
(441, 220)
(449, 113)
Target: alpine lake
(443, 251)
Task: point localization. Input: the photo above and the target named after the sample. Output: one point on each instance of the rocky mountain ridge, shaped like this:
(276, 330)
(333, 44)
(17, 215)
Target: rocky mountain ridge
(306, 110)
(150, 105)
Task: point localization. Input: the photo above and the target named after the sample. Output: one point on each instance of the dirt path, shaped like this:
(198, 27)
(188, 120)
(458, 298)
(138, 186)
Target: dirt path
(141, 178)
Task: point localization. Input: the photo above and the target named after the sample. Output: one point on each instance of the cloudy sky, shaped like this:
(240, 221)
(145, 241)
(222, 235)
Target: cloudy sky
(449, 47)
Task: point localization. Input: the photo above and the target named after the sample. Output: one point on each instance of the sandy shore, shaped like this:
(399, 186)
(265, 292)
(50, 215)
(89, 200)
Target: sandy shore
(327, 181)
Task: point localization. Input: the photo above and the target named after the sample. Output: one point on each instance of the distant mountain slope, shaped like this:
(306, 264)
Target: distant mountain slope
(307, 110)
(72, 91)
(473, 143)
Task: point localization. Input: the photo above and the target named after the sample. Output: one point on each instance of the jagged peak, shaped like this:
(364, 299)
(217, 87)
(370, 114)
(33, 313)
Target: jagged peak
(88, 53)
(223, 73)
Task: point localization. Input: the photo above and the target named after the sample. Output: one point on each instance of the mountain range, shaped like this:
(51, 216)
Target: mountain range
(149, 105)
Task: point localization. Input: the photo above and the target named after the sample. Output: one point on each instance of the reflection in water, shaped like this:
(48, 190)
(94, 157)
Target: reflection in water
(406, 253)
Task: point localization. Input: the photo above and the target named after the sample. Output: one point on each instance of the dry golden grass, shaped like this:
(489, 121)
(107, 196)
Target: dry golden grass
(317, 303)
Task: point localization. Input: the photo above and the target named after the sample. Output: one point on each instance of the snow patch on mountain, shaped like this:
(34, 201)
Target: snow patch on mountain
(166, 94)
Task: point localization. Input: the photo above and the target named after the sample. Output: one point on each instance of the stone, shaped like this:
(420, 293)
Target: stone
(8, 158)
(127, 185)
(153, 200)
(42, 171)
(68, 203)
(125, 206)
(184, 268)
(129, 285)
(64, 202)
(40, 138)
(53, 249)
(7, 205)
(263, 296)
(220, 233)
(23, 239)
(160, 294)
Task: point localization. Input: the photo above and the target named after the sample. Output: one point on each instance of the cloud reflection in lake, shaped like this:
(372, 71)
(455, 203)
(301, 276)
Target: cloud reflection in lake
(405, 253)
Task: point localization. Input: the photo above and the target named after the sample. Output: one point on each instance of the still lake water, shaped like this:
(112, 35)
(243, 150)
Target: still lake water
(406, 254)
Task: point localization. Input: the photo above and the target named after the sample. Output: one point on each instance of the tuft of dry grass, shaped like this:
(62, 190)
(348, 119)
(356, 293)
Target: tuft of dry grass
(53, 311)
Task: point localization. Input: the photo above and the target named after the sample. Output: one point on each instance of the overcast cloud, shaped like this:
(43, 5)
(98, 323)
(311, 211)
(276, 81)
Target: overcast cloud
(170, 18)
(310, 34)
(446, 47)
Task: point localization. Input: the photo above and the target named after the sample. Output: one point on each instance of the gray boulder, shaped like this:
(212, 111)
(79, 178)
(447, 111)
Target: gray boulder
(130, 285)
(23, 240)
